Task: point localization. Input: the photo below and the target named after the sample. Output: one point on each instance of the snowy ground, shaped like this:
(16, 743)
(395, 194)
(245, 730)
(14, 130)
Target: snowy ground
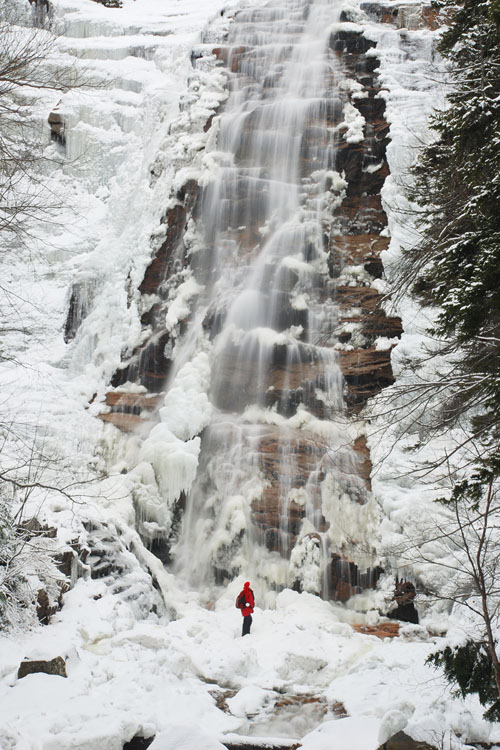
(132, 668)
(128, 678)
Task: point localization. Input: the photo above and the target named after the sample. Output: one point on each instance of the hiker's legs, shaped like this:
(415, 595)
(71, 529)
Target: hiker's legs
(247, 621)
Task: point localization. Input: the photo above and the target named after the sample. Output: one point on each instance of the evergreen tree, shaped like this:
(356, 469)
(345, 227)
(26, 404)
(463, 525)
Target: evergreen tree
(457, 264)
(456, 267)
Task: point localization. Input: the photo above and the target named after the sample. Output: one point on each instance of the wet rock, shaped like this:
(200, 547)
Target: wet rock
(124, 422)
(362, 214)
(402, 741)
(138, 743)
(55, 666)
(148, 366)
(407, 16)
(239, 383)
(359, 248)
(57, 127)
(383, 13)
(346, 579)
(130, 411)
(110, 3)
(123, 401)
(46, 606)
(254, 743)
(299, 458)
(382, 630)
(172, 251)
(79, 306)
(231, 56)
(366, 372)
(404, 596)
(353, 42)
(158, 269)
(364, 464)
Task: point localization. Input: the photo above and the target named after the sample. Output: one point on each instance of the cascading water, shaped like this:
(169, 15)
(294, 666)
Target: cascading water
(276, 460)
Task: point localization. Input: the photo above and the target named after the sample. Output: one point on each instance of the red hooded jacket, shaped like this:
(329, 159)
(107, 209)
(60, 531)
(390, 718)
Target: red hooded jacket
(246, 600)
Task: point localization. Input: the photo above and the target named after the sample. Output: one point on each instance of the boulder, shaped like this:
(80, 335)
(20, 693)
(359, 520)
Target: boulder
(404, 595)
(402, 741)
(55, 666)
(138, 743)
(57, 128)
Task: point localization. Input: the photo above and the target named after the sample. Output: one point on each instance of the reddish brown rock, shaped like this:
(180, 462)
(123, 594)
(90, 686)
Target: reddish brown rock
(308, 460)
(141, 401)
(124, 422)
(412, 16)
(156, 272)
(434, 19)
(346, 579)
(362, 213)
(366, 372)
(230, 56)
(382, 630)
(364, 464)
(148, 364)
(130, 411)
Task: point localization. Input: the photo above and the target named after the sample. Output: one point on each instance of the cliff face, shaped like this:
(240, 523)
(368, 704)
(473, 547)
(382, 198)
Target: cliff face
(341, 331)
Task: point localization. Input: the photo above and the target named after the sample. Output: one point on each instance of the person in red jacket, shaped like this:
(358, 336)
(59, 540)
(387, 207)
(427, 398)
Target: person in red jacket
(246, 602)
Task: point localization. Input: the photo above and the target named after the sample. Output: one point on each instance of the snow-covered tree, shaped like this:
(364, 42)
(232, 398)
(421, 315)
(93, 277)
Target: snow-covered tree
(456, 268)
(457, 264)
(472, 542)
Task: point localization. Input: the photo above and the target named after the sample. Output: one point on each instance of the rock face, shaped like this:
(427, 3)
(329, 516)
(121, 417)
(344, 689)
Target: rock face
(366, 368)
(343, 319)
(406, 16)
(130, 411)
(55, 666)
(150, 364)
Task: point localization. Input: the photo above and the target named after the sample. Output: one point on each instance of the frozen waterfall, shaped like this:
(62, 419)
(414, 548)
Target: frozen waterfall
(277, 489)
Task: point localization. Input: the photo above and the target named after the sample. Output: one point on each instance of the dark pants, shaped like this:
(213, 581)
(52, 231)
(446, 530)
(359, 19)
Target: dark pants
(247, 621)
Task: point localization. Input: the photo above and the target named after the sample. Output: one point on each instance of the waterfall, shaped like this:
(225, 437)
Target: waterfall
(277, 489)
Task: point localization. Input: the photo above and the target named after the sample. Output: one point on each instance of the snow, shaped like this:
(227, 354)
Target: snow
(344, 734)
(186, 410)
(185, 738)
(128, 677)
(355, 123)
(145, 655)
